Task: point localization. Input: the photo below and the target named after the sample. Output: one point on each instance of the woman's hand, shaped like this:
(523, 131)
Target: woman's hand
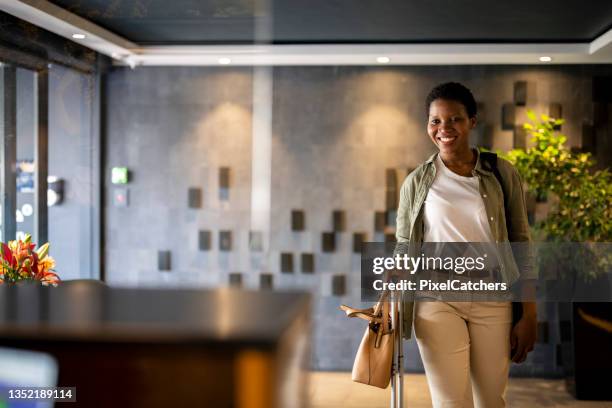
(523, 335)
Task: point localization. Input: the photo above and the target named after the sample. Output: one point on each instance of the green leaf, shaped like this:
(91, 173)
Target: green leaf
(531, 115)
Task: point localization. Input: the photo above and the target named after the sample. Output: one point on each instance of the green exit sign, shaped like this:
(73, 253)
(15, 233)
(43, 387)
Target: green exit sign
(119, 175)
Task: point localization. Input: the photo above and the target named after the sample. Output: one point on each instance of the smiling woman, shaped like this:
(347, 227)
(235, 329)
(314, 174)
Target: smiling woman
(452, 198)
(449, 126)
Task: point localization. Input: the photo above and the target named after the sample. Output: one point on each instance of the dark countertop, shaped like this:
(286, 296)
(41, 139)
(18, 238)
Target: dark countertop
(91, 311)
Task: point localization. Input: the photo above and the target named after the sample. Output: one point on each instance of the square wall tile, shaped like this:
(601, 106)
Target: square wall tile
(391, 199)
(588, 140)
(286, 262)
(328, 242)
(235, 279)
(224, 177)
(225, 240)
(520, 93)
(339, 220)
(519, 137)
(358, 239)
(543, 332)
(164, 260)
(194, 197)
(298, 221)
(256, 241)
(508, 116)
(338, 285)
(266, 281)
(555, 110)
(379, 221)
(204, 240)
(308, 263)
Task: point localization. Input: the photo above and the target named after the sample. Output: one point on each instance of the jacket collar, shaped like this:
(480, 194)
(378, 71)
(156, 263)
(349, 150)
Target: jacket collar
(478, 168)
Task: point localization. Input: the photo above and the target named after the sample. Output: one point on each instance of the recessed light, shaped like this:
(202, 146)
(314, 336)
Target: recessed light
(78, 36)
(225, 61)
(545, 59)
(383, 60)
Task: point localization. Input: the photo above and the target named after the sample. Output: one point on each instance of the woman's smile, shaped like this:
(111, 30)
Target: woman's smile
(446, 139)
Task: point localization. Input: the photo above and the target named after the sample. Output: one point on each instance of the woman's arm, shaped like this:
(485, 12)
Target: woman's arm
(523, 336)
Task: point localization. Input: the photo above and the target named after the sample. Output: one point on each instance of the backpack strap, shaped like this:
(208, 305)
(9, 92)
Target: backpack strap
(489, 162)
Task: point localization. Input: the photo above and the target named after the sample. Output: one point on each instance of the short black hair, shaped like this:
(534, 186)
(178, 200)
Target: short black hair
(453, 91)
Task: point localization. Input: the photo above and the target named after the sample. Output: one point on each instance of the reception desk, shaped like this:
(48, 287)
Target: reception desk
(128, 347)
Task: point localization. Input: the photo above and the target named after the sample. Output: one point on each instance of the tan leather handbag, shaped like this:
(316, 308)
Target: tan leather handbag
(372, 364)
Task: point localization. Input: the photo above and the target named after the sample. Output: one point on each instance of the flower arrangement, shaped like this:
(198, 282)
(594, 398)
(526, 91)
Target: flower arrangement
(22, 262)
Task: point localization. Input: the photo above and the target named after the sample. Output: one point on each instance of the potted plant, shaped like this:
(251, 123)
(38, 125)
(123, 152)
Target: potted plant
(578, 222)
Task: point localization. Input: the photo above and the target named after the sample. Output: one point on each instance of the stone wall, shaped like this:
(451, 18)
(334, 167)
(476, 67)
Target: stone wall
(335, 132)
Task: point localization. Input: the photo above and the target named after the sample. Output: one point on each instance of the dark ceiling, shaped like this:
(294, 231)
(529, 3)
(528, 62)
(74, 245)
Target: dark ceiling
(172, 22)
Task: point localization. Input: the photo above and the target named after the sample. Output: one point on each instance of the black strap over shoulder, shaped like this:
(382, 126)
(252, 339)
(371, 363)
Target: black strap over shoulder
(489, 162)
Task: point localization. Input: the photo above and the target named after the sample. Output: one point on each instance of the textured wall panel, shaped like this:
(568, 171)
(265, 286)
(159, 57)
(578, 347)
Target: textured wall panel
(335, 132)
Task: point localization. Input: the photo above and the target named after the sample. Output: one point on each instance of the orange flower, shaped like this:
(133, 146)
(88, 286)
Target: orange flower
(46, 264)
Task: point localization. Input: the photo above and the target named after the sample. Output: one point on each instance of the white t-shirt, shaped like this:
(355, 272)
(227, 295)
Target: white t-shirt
(454, 210)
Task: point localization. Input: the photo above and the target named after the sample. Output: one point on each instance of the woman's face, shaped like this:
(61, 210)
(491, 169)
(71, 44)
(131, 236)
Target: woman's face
(449, 126)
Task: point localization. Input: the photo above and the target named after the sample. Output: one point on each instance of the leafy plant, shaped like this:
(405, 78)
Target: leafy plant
(581, 196)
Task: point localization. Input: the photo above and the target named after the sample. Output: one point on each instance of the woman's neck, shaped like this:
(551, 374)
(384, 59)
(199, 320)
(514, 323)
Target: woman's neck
(461, 163)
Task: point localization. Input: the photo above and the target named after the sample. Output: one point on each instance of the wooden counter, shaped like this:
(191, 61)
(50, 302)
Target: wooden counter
(128, 347)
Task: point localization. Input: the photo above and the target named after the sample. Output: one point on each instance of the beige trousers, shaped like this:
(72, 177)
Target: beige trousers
(465, 347)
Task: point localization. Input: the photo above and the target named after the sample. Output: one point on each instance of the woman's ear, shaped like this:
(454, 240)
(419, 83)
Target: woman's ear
(473, 122)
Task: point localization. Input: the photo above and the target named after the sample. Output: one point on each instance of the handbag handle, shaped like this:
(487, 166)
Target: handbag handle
(377, 314)
(366, 314)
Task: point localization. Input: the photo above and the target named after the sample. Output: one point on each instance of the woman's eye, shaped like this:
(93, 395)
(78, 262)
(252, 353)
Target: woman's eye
(435, 122)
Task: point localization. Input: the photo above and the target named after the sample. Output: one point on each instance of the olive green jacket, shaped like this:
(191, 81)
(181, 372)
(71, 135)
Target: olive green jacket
(410, 226)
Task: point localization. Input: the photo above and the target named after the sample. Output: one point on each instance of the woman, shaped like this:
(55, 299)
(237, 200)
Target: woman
(453, 197)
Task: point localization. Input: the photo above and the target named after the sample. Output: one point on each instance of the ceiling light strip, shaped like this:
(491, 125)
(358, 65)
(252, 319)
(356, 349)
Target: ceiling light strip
(370, 54)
